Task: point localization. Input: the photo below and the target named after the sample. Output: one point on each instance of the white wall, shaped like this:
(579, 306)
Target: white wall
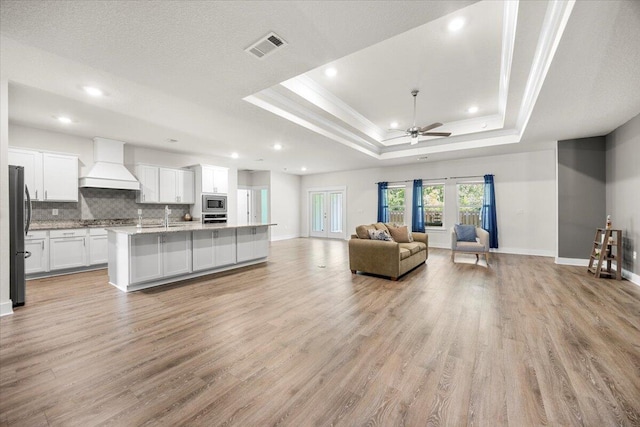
(285, 206)
(525, 196)
(5, 300)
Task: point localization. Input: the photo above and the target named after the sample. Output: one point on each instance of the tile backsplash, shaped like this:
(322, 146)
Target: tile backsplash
(103, 203)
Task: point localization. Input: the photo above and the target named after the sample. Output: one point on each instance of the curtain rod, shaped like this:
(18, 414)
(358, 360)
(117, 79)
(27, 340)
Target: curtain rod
(410, 180)
(461, 177)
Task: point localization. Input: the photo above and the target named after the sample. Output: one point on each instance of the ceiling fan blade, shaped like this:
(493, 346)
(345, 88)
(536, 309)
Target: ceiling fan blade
(431, 126)
(435, 133)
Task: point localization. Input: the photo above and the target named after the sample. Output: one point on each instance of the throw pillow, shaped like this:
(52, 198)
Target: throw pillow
(380, 226)
(362, 231)
(380, 235)
(465, 233)
(400, 234)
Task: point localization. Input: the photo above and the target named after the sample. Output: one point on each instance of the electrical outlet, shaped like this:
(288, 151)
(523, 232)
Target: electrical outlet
(54, 212)
(139, 211)
(635, 254)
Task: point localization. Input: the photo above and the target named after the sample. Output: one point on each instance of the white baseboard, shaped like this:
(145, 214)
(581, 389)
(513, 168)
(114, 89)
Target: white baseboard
(285, 237)
(578, 262)
(6, 308)
(630, 276)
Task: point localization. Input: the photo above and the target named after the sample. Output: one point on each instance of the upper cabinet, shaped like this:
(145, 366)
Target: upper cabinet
(165, 185)
(149, 184)
(32, 163)
(50, 177)
(211, 179)
(60, 174)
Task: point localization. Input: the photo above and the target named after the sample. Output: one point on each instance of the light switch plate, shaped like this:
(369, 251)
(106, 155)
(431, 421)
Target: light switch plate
(635, 254)
(139, 211)
(54, 212)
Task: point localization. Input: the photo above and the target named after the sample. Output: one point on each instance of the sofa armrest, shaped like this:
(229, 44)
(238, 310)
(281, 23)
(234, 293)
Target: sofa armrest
(454, 239)
(483, 236)
(374, 256)
(420, 237)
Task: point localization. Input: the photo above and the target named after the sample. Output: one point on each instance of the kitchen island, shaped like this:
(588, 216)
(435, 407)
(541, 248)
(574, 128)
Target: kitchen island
(143, 257)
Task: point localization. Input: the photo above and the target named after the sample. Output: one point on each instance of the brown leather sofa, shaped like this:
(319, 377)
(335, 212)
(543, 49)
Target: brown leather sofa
(386, 258)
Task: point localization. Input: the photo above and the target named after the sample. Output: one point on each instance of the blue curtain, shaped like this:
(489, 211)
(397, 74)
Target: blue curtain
(383, 203)
(417, 213)
(489, 217)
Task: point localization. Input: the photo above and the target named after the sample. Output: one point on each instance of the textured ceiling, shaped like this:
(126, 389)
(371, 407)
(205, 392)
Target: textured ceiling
(178, 70)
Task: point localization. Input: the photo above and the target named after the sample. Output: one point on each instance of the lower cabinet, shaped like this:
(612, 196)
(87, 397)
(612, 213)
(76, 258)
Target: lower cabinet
(67, 249)
(98, 247)
(176, 253)
(146, 257)
(37, 243)
(213, 248)
(252, 243)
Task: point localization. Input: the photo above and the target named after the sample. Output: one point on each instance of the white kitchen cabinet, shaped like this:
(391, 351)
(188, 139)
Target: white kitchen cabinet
(98, 247)
(213, 179)
(213, 248)
(32, 163)
(67, 249)
(176, 253)
(176, 186)
(145, 257)
(252, 243)
(60, 177)
(149, 184)
(37, 243)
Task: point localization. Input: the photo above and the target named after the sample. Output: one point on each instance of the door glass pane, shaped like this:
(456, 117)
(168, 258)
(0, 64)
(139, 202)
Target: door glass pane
(264, 209)
(336, 212)
(317, 208)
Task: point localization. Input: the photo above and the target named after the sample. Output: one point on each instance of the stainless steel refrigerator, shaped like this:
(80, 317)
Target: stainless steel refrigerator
(19, 221)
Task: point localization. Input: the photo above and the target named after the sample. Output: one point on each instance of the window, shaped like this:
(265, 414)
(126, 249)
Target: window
(433, 199)
(470, 202)
(395, 197)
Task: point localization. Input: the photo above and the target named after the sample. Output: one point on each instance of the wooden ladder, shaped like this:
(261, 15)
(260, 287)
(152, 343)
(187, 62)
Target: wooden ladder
(607, 247)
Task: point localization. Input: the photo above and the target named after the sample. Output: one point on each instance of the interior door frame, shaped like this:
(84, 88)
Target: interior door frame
(331, 189)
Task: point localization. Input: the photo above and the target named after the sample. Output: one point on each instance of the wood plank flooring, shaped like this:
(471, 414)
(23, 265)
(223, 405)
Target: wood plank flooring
(291, 343)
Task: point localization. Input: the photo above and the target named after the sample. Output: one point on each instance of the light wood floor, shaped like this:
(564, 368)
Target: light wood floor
(289, 342)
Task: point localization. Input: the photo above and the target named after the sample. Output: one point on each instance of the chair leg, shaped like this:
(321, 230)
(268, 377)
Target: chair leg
(453, 254)
(477, 257)
(486, 257)
(353, 272)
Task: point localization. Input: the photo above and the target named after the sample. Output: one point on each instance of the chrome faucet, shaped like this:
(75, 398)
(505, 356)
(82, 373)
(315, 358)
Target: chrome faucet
(166, 216)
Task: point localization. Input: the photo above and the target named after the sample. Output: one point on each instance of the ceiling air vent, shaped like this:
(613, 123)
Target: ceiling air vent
(266, 45)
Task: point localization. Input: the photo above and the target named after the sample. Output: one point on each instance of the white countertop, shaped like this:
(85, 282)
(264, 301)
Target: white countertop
(181, 226)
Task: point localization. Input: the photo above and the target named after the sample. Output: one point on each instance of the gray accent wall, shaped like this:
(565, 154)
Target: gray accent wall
(623, 188)
(581, 194)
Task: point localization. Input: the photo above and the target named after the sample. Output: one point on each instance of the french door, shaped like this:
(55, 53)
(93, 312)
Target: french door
(327, 214)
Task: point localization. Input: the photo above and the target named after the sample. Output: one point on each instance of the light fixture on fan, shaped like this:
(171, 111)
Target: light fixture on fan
(414, 131)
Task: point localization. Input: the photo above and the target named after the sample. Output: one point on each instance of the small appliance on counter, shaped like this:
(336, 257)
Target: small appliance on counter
(214, 218)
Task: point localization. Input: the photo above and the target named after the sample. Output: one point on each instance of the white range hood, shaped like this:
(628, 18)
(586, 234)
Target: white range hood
(108, 169)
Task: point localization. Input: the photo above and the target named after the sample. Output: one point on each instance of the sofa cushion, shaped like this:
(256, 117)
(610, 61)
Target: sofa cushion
(362, 231)
(404, 253)
(380, 235)
(400, 234)
(380, 226)
(413, 247)
(465, 233)
(470, 246)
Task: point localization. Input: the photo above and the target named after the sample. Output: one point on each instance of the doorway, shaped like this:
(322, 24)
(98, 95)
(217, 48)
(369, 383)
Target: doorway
(253, 205)
(327, 213)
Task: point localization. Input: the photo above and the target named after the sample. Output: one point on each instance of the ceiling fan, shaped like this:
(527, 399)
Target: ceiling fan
(414, 131)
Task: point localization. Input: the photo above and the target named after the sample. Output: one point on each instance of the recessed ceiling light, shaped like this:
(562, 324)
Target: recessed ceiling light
(393, 125)
(65, 120)
(472, 110)
(422, 158)
(330, 72)
(93, 91)
(171, 140)
(484, 125)
(234, 155)
(456, 24)
(277, 146)
(303, 168)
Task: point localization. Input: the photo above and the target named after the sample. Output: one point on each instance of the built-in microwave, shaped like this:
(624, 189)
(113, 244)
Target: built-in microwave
(214, 203)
